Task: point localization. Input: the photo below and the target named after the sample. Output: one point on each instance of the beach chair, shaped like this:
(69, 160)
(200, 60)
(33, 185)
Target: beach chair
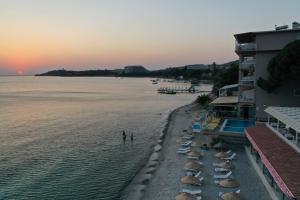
(187, 143)
(222, 176)
(228, 152)
(188, 137)
(220, 164)
(201, 179)
(221, 193)
(220, 169)
(183, 148)
(198, 174)
(183, 151)
(193, 158)
(230, 157)
(193, 192)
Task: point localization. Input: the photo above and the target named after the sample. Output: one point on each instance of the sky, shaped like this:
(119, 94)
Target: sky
(41, 35)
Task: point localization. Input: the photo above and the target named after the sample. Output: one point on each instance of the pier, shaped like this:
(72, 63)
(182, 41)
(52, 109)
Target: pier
(174, 90)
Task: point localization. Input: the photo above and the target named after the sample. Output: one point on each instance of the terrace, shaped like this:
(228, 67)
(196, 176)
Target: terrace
(285, 122)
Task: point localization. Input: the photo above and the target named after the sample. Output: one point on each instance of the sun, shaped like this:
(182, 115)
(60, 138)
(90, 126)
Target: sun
(20, 72)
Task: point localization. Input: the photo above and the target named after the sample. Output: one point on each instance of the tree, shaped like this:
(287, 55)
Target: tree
(226, 77)
(284, 66)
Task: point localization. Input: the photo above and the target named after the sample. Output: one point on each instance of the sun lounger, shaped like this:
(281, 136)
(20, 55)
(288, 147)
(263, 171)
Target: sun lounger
(193, 192)
(187, 137)
(219, 164)
(228, 152)
(191, 170)
(220, 169)
(237, 192)
(198, 174)
(183, 151)
(187, 143)
(230, 157)
(183, 148)
(193, 158)
(223, 176)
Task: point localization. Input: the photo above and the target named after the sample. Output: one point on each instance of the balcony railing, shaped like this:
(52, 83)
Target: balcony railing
(247, 78)
(245, 47)
(247, 96)
(246, 65)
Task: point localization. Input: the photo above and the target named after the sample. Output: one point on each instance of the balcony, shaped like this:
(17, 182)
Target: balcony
(247, 96)
(247, 79)
(245, 47)
(247, 65)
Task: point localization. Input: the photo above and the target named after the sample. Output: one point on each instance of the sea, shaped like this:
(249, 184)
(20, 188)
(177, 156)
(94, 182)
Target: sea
(61, 137)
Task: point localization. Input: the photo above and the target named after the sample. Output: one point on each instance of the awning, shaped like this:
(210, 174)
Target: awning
(229, 86)
(281, 160)
(290, 116)
(226, 100)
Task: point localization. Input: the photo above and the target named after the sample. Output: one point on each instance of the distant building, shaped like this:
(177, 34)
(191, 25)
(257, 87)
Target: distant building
(255, 50)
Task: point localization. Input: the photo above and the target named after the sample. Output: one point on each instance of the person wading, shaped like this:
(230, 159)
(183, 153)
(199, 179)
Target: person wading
(124, 136)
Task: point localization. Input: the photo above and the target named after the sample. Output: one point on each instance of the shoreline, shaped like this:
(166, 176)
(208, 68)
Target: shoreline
(137, 187)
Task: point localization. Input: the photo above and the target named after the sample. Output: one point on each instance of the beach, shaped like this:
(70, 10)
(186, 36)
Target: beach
(160, 178)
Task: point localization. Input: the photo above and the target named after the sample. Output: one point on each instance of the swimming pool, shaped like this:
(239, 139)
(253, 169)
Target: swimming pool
(236, 126)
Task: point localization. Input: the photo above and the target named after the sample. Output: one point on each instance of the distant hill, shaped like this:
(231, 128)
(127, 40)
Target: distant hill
(198, 71)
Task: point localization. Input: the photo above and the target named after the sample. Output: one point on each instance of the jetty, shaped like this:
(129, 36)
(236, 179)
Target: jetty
(175, 90)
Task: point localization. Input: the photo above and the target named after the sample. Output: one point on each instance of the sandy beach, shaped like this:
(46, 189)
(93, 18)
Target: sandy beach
(160, 178)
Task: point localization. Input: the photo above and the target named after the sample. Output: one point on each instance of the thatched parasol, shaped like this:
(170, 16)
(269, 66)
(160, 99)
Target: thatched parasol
(227, 165)
(180, 140)
(221, 154)
(197, 144)
(191, 180)
(194, 154)
(229, 183)
(194, 166)
(232, 196)
(185, 196)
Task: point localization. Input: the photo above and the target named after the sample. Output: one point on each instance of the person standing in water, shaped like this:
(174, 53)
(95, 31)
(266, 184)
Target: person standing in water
(124, 136)
(131, 137)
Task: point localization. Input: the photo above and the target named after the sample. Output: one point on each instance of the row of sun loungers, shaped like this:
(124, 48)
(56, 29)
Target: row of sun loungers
(191, 172)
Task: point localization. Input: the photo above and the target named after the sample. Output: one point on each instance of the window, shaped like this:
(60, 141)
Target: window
(297, 92)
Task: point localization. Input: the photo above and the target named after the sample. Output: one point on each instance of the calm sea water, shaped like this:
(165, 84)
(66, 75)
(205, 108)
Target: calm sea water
(60, 138)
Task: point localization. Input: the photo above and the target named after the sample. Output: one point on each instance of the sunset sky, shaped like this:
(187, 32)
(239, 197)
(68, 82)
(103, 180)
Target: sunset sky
(42, 35)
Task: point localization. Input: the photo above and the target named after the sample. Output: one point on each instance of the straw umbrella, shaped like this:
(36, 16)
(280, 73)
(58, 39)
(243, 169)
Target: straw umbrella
(221, 154)
(197, 144)
(232, 196)
(185, 196)
(194, 154)
(191, 165)
(227, 165)
(229, 183)
(180, 140)
(191, 180)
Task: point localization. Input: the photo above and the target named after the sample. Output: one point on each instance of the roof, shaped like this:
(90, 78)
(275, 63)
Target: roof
(290, 116)
(226, 100)
(250, 36)
(229, 86)
(281, 160)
